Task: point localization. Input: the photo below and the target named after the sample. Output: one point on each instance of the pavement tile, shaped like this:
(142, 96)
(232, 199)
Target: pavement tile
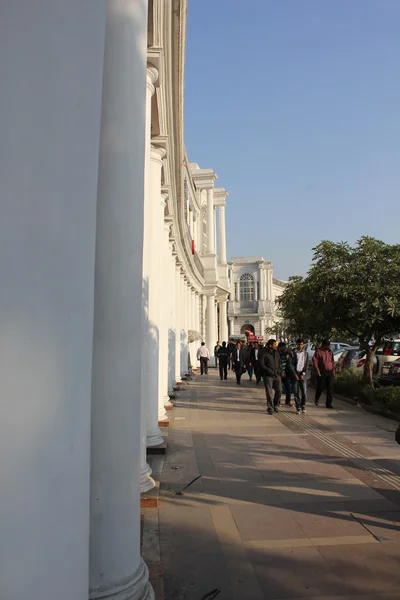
(192, 559)
(362, 567)
(242, 575)
(299, 572)
(265, 523)
(327, 524)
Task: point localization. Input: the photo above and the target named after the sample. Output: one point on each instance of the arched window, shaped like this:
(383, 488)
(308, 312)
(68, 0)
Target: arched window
(246, 287)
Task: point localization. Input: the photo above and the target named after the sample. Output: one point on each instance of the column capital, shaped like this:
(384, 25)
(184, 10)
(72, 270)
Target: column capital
(151, 78)
(210, 291)
(157, 153)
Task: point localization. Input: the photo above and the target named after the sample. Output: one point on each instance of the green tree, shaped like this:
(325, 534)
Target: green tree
(349, 291)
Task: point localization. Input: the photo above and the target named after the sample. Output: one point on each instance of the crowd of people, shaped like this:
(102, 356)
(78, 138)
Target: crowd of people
(280, 368)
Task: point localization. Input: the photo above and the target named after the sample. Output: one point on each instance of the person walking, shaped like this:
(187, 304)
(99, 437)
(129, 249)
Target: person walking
(288, 373)
(271, 369)
(324, 365)
(250, 360)
(223, 356)
(300, 363)
(204, 356)
(238, 361)
(231, 349)
(216, 348)
(256, 355)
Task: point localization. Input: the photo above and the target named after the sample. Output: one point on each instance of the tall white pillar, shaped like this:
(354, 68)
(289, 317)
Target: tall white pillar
(152, 288)
(183, 325)
(231, 327)
(223, 322)
(164, 321)
(262, 283)
(210, 221)
(116, 569)
(222, 234)
(215, 230)
(178, 322)
(210, 322)
(191, 224)
(51, 77)
(172, 320)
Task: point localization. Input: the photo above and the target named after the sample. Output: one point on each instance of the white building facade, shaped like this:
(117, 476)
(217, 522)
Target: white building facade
(254, 293)
(113, 268)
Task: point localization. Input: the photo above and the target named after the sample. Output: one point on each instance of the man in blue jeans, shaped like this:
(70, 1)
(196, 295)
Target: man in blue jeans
(300, 363)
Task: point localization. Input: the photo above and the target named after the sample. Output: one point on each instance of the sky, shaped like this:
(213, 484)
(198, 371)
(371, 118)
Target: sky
(296, 106)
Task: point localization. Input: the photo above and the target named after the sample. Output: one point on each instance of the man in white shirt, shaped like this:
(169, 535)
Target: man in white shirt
(204, 356)
(300, 363)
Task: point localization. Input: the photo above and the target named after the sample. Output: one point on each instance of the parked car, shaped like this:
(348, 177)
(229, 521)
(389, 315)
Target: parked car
(358, 361)
(390, 373)
(387, 353)
(347, 356)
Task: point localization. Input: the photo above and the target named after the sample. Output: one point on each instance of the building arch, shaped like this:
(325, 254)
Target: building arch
(247, 328)
(246, 287)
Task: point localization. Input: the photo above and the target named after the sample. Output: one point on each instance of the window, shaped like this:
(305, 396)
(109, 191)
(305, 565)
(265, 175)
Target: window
(246, 287)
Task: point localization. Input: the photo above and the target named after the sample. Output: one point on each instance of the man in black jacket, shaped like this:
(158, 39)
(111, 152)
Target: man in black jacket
(223, 357)
(238, 361)
(271, 368)
(231, 348)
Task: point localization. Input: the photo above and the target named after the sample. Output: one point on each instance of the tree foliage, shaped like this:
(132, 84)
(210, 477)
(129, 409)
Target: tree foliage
(348, 291)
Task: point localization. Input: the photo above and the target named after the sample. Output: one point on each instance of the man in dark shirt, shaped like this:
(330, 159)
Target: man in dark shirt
(231, 348)
(223, 356)
(324, 365)
(271, 369)
(288, 373)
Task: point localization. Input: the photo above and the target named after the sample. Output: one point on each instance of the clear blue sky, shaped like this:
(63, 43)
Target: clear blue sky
(296, 105)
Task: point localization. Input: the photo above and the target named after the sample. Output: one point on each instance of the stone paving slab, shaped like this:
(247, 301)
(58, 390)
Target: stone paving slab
(276, 512)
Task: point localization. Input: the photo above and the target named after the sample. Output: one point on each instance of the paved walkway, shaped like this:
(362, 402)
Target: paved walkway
(286, 506)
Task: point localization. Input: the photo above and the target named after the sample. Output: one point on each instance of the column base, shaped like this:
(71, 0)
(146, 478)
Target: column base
(147, 483)
(162, 415)
(137, 587)
(154, 438)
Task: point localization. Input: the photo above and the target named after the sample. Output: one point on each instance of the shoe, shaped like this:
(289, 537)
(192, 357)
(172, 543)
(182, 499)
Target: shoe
(221, 378)
(303, 410)
(288, 403)
(225, 378)
(298, 411)
(329, 406)
(276, 408)
(316, 402)
(270, 411)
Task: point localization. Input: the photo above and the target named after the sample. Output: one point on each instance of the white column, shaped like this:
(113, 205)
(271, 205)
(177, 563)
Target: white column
(222, 234)
(231, 327)
(191, 224)
(256, 279)
(215, 230)
(172, 320)
(51, 76)
(223, 322)
(210, 322)
(116, 569)
(163, 323)
(178, 322)
(151, 284)
(262, 282)
(210, 221)
(262, 326)
(183, 325)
